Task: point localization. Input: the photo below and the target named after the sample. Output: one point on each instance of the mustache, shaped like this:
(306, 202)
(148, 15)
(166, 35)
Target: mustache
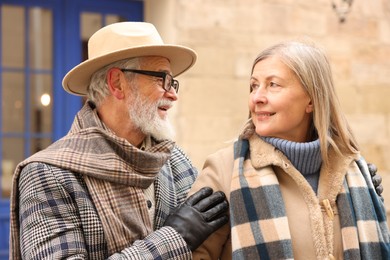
(165, 102)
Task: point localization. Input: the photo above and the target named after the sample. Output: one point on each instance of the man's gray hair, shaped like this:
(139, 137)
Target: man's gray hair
(98, 89)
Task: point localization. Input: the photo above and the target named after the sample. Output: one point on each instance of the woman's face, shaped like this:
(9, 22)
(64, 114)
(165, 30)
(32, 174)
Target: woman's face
(278, 104)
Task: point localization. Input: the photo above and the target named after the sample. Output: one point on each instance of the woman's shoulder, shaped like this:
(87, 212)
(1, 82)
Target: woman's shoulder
(225, 153)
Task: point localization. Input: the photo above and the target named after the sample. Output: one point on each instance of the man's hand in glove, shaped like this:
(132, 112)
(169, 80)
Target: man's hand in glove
(199, 216)
(376, 178)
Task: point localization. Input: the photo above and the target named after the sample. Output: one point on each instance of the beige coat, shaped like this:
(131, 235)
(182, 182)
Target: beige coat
(312, 226)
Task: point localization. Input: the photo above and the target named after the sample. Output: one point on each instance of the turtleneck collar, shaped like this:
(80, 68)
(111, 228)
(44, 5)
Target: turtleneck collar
(306, 157)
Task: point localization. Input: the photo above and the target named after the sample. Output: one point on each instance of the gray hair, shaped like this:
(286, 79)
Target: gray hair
(312, 67)
(98, 89)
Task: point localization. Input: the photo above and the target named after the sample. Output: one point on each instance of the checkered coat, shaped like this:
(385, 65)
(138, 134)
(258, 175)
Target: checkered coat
(82, 197)
(58, 219)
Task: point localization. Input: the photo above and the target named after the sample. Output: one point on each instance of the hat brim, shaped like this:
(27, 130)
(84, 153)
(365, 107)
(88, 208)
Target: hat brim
(77, 80)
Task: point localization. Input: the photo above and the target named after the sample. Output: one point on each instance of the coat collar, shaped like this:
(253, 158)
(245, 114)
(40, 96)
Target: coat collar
(264, 154)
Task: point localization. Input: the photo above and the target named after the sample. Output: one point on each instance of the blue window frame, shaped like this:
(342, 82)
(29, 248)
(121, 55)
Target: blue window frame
(48, 39)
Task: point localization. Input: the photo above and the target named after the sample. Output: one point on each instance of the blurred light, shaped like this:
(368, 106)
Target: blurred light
(45, 100)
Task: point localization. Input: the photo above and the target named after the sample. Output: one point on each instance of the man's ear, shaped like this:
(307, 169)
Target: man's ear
(116, 82)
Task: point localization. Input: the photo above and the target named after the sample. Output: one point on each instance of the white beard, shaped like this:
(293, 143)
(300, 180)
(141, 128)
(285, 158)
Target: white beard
(145, 116)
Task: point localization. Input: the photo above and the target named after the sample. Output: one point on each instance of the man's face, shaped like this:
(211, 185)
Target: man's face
(148, 102)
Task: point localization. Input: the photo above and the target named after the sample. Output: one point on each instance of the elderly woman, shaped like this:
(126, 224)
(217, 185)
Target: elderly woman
(297, 184)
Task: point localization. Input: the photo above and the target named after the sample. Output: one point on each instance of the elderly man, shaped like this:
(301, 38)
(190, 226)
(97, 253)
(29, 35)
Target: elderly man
(116, 185)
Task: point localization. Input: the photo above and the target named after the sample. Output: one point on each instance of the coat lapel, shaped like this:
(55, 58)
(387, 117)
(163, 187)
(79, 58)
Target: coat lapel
(166, 200)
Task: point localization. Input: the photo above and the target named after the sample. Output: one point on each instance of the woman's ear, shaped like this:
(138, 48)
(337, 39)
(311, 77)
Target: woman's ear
(116, 83)
(309, 107)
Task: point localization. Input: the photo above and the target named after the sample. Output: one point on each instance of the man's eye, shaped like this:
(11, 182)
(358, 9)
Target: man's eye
(159, 80)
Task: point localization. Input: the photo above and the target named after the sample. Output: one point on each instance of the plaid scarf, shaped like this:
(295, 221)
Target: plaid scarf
(114, 171)
(259, 225)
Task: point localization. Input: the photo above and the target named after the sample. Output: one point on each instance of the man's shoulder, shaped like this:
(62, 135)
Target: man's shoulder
(40, 166)
(178, 155)
(45, 172)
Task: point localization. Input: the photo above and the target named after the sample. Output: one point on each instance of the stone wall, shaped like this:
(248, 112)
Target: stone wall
(228, 34)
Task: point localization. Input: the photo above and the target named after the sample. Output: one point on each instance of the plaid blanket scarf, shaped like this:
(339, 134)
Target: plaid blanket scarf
(260, 227)
(115, 173)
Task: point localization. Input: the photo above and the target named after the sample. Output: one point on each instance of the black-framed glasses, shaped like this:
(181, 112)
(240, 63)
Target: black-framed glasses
(168, 81)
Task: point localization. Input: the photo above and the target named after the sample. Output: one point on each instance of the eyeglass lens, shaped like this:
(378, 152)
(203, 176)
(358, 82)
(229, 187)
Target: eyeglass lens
(170, 82)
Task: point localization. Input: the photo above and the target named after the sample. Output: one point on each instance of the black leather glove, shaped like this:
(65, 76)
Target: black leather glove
(376, 178)
(199, 216)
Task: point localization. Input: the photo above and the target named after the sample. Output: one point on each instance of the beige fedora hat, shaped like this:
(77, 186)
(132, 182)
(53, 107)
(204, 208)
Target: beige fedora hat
(120, 41)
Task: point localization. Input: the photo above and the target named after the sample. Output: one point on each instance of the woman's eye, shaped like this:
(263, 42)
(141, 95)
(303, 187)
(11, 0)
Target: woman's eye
(273, 84)
(254, 87)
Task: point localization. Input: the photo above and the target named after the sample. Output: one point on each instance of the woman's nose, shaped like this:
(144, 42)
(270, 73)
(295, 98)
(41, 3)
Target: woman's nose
(259, 95)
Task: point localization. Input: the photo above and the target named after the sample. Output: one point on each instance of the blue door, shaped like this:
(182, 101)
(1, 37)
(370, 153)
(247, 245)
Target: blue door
(40, 41)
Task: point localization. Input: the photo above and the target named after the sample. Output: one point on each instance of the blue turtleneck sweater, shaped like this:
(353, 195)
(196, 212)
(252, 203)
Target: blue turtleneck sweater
(306, 157)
